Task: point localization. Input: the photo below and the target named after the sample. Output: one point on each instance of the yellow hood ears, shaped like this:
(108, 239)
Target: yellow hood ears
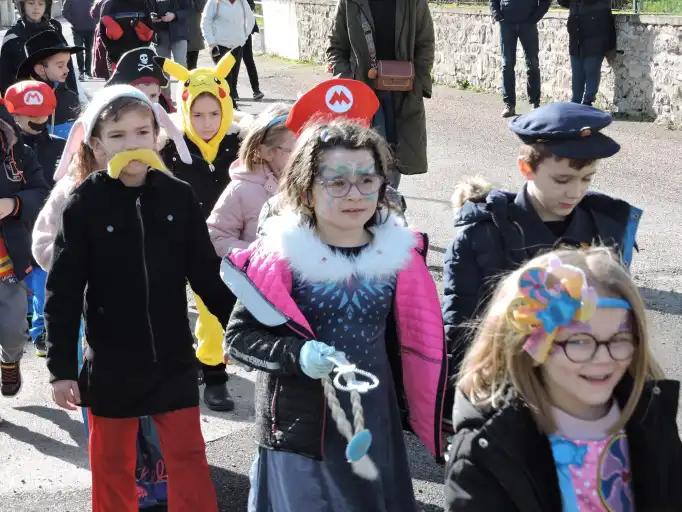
(225, 64)
(200, 81)
(173, 68)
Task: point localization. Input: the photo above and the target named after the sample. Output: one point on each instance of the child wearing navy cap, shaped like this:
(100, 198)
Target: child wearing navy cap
(497, 231)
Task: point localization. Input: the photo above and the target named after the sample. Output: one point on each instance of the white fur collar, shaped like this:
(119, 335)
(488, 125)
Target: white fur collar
(389, 251)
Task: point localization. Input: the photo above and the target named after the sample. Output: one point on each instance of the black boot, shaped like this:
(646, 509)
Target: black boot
(217, 397)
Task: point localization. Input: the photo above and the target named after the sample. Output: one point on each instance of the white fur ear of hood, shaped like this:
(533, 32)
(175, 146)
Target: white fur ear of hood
(389, 251)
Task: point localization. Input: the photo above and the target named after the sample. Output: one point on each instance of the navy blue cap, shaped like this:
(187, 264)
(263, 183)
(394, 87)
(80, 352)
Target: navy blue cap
(568, 130)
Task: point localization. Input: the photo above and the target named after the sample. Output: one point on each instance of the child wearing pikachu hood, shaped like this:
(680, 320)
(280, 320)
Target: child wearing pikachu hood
(207, 113)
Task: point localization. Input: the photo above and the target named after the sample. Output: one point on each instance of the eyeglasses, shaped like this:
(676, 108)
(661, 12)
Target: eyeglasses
(341, 187)
(581, 348)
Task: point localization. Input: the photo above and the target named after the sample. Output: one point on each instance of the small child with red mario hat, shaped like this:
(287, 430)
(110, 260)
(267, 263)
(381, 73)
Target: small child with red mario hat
(31, 104)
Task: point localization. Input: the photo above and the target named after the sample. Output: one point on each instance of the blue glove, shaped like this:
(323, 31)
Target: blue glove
(313, 359)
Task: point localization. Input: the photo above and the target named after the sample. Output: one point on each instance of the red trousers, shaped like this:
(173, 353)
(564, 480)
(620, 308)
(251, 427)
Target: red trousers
(112, 462)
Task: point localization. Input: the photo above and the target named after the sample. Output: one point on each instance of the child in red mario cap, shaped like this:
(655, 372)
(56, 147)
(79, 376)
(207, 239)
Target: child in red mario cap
(32, 104)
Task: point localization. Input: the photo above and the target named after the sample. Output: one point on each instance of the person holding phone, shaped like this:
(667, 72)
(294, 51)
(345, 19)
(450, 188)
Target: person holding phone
(171, 22)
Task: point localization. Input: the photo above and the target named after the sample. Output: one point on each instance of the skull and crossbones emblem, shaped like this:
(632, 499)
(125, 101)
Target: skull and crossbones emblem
(144, 63)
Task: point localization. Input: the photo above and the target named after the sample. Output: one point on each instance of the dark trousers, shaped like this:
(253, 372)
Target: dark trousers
(247, 56)
(192, 58)
(84, 39)
(384, 122)
(585, 78)
(233, 75)
(112, 462)
(527, 33)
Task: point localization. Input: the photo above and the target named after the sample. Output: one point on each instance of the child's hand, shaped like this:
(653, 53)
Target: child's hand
(168, 17)
(65, 394)
(313, 359)
(7, 205)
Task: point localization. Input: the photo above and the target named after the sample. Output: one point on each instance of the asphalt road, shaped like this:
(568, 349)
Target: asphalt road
(43, 462)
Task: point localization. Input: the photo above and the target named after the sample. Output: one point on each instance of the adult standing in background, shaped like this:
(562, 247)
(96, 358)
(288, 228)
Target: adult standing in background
(226, 25)
(172, 29)
(77, 12)
(591, 35)
(367, 33)
(249, 62)
(196, 40)
(519, 22)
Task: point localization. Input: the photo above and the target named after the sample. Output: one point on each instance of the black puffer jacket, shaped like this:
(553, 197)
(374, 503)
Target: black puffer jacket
(503, 231)
(48, 148)
(13, 54)
(519, 11)
(207, 180)
(26, 185)
(591, 27)
(290, 407)
(131, 251)
(500, 461)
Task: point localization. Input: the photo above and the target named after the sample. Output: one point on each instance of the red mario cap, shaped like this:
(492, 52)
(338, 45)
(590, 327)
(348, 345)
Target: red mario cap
(338, 97)
(30, 98)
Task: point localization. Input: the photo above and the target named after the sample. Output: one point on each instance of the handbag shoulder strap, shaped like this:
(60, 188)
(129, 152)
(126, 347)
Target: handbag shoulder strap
(367, 30)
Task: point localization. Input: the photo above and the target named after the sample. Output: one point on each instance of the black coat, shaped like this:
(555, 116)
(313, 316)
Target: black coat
(500, 461)
(48, 148)
(519, 11)
(131, 252)
(128, 14)
(498, 235)
(591, 27)
(207, 180)
(178, 29)
(12, 53)
(31, 192)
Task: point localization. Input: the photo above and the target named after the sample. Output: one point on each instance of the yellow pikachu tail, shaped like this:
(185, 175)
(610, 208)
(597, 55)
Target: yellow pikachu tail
(176, 70)
(225, 65)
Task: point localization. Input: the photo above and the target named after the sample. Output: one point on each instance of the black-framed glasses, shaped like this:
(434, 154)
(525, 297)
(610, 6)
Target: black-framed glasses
(581, 348)
(341, 187)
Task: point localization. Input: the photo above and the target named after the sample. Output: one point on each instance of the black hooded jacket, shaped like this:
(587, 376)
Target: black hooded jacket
(500, 461)
(12, 53)
(23, 182)
(498, 234)
(48, 148)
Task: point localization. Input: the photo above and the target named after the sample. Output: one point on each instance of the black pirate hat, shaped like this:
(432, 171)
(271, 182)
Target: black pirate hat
(136, 66)
(39, 47)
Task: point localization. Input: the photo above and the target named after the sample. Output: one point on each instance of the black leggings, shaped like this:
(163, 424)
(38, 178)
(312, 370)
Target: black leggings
(250, 65)
(192, 58)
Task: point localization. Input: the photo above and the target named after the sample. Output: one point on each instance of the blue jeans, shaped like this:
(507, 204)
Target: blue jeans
(585, 78)
(36, 282)
(527, 33)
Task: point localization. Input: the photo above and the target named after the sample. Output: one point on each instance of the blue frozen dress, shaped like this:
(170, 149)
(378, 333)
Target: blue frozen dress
(351, 316)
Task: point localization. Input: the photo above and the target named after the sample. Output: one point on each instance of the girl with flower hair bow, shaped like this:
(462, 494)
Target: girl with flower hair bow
(559, 404)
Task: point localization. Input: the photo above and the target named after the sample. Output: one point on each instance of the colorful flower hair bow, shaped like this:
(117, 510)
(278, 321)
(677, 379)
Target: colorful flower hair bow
(550, 298)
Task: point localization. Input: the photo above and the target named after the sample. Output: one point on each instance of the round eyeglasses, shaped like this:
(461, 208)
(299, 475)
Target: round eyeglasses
(581, 348)
(341, 187)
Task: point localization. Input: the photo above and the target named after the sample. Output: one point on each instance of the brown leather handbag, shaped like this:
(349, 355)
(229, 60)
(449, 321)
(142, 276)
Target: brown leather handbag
(394, 75)
(388, 75)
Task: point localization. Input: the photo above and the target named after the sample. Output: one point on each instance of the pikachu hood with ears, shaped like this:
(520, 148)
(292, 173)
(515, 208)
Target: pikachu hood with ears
(198, 81)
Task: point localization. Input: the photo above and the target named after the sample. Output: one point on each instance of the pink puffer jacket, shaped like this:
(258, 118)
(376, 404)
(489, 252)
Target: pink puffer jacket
(234, 219)
(288, 247)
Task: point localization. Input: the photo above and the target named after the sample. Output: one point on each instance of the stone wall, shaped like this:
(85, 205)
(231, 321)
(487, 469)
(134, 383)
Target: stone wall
(642, 80)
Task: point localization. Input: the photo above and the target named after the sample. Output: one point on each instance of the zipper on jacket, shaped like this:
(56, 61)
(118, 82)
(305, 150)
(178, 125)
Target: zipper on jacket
(138, 208)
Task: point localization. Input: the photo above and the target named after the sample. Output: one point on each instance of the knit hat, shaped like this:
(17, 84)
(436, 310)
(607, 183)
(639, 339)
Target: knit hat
(136, 66)
(82, 128)
(199, 81)
(338, 97)
(30, 98)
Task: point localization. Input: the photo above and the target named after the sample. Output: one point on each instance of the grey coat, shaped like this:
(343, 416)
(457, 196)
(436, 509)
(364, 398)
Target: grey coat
(349, 57)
